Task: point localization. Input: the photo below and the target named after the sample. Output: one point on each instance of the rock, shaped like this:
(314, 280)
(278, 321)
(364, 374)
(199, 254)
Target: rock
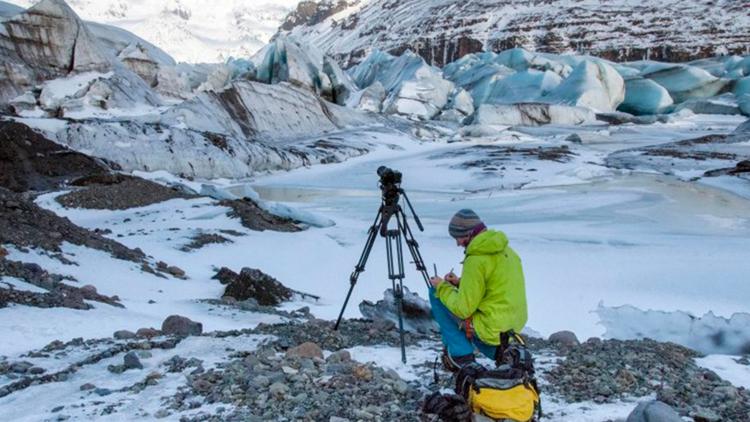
(307, 350)
(339, 356)
(21, 367)
(574, 138)
(706, 415)
(89, 290)
(147, 333)
(566, 338)
(363, 372)
(417, 315)
(255, 284)
(261, 381)
(278, 389)
(181, 326)
(338, 419)
(37, 370)
(225, 276)
(87, 387)
(103, 391)
(124, 335)
(131, 361)
(3, 252)
(176, 271)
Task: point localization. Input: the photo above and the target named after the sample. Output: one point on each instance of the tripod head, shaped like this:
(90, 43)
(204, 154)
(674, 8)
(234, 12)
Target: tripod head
(390, 187)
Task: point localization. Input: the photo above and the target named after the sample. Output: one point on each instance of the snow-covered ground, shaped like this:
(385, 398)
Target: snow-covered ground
(589, 236)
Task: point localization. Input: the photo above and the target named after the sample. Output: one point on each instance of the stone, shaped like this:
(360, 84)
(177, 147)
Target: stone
(566, 338)
(181, 326)
(176, 271)
(363, 372)
(305, 350)
(124, 335)
(653, 411)
(3, 252)
(37, 370)
(261, 381)
(103, 391)
(20, 367)
(131, 361)
(147, 333)
(706, 415)
(255, 284)
(87, 387)
(339, 356)
(278, 389)
(89, 290)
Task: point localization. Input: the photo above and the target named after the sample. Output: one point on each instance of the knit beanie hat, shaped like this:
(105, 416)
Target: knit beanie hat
(463, 223)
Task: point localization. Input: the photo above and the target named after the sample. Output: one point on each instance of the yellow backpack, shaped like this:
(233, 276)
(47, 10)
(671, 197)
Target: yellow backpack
(508, 392)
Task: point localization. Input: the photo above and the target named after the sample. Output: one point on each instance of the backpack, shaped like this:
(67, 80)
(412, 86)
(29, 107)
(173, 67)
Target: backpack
(509, 391)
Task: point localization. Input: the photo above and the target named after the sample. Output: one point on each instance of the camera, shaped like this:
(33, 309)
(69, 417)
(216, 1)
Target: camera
(389, 176)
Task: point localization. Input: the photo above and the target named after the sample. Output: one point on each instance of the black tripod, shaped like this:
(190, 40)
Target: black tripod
(390, 181)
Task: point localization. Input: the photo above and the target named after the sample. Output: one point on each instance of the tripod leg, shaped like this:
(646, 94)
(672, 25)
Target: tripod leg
(360, 267)
(413, 246)
(396, 275)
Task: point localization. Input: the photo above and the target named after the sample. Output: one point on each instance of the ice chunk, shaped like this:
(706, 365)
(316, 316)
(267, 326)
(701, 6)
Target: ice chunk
(742, 92)
(722, 104)
(369, 99)
(592, 84)
(522, 87)
(684, 82)
(707, 334)
(368, 71)
(460, 107)
(519, 59)
(644, 96)
(532, 114)
(413, 87)
(289, 60)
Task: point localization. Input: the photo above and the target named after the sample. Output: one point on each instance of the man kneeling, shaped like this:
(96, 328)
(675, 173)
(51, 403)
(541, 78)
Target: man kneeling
(488, 299)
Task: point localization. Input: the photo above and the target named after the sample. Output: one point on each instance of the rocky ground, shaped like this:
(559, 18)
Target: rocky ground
(304, 370)
(29, 161)
(116, 192)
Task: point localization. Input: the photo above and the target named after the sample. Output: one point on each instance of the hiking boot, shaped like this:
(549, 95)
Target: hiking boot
(454, 363)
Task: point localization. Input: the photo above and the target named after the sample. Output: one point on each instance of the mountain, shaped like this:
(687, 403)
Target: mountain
(187, 29)
(442, 31)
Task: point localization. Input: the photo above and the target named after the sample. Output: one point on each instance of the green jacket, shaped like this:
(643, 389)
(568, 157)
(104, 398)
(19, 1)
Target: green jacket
(492, 291)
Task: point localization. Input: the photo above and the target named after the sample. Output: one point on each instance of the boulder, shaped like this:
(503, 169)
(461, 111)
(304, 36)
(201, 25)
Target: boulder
(147, 333)
(567, 338)
(3, 253)
(181, 326)
(131, 361)
(255, 284)
(305, 350)
(124, 335)
(416, 314)
(653, 411)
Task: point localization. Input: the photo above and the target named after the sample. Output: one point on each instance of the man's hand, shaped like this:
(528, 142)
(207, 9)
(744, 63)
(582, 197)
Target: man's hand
(452, 278)
(435, 281)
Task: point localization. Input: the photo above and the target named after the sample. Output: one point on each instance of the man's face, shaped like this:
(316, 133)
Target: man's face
(463, 241)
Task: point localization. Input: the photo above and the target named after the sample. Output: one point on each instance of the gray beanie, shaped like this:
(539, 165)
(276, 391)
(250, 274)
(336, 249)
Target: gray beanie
(463, 223)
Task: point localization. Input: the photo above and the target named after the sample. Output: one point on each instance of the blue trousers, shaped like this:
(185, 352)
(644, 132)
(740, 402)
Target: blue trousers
(454, 338)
